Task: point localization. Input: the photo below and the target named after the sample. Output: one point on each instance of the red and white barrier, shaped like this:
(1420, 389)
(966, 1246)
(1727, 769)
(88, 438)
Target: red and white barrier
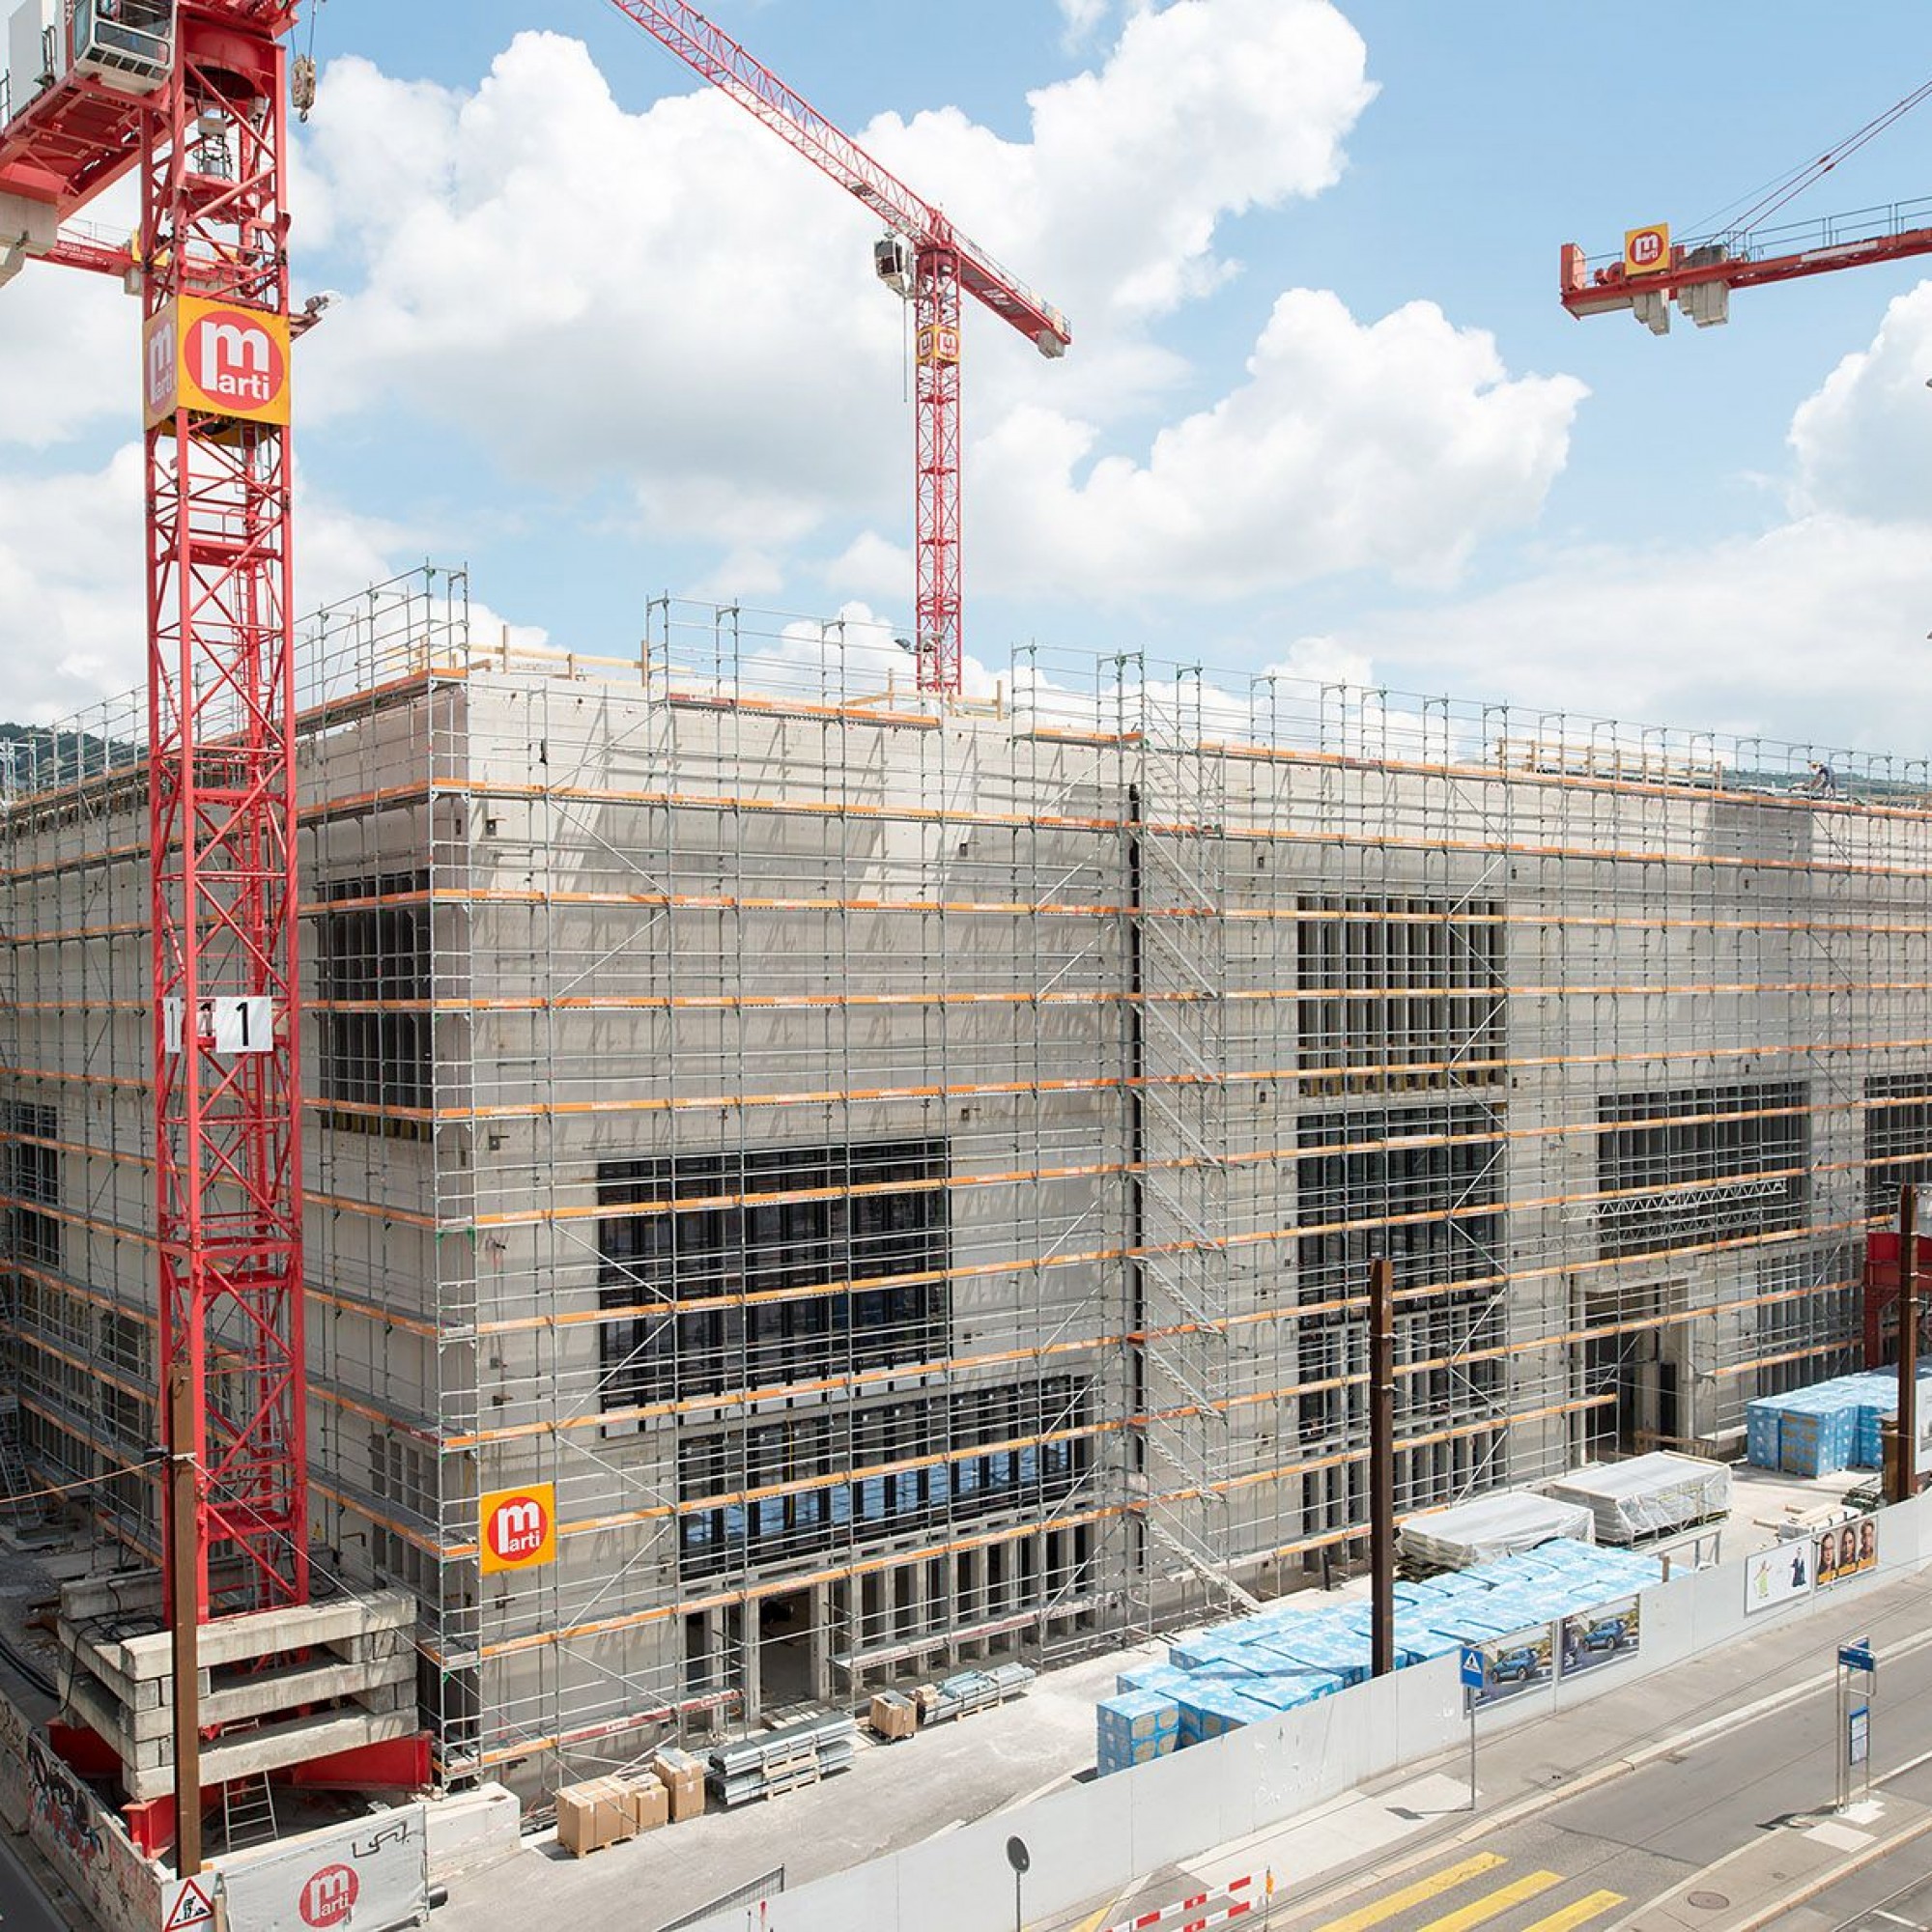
(1234, 1900)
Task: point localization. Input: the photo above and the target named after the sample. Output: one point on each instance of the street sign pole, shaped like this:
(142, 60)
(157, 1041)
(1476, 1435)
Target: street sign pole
(1472, 1668)
(1855, 1659)
(1021, 1860)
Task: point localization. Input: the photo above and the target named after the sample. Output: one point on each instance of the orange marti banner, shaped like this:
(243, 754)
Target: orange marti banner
(217, 358)
(516, 1529)
(1647, 250)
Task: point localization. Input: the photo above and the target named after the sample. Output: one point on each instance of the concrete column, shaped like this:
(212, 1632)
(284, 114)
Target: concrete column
(818, 1642)
(755, 1689)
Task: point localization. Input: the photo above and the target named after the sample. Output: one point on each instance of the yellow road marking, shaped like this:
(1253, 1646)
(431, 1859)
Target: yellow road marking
(1398, 1902)
(1094, 1921)
(1493, 1904)
(1575, 1915)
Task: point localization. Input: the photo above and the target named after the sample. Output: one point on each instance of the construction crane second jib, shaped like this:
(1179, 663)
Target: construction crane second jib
(923, 258)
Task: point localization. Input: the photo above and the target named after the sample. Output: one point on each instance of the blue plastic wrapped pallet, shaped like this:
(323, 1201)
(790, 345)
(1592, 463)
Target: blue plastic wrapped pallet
(1762, 1433)
(1816, 1438)
(1288, 1694)
(1162, 1678)
(1252, 1671)
(1324, 1645)
(1212, 1709)
(1134, 1728)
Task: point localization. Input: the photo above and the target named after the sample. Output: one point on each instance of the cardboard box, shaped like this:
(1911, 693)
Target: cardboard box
(893, 1715)
(592, 1815)
(682, 1777)
(649, 1802)
(925, 1699)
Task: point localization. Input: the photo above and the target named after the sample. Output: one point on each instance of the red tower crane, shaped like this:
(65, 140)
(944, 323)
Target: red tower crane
(1699, 276)
(924, 259)
(1653, 270)
(191, 94)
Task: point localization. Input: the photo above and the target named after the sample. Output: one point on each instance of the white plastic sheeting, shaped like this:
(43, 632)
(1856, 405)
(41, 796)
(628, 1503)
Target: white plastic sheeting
(1649, 1496)
(1486, 1528)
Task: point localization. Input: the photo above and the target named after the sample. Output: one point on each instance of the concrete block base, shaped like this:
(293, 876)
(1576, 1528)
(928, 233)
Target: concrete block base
(277, 1689)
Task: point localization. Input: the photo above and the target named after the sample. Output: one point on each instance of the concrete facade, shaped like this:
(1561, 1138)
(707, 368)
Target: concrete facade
(904, 1179)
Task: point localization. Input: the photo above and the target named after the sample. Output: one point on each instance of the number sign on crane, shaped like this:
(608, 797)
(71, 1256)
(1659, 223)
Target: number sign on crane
(924, 259)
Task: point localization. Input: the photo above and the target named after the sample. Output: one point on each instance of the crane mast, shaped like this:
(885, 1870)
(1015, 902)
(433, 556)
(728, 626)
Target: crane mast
(928, 262)
(192, 95)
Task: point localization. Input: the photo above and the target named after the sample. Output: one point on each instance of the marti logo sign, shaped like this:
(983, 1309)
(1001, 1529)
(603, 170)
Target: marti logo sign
(235, 359)
(519, 1528)
(329, 1897)
(218, 359)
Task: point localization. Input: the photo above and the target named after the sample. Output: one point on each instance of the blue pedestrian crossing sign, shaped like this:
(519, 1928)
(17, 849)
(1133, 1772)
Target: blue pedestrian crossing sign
(1473, 1668)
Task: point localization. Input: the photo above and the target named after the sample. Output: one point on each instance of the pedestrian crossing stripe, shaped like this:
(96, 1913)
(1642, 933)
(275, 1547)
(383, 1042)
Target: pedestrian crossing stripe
(1418, 1893)
(1493, 1904)
(1479, 1911)
(1579, 1914)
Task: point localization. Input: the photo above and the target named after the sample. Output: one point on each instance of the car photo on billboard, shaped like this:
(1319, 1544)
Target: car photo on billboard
(1602, 1635)
(1513, 1665)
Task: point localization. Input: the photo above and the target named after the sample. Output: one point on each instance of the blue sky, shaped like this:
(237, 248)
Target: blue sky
(1323, 408)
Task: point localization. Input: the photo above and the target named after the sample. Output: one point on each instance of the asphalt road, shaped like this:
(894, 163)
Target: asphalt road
(1589, 1862)
(23, 1905)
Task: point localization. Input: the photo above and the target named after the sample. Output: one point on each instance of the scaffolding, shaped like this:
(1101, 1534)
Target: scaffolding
(904, 1173)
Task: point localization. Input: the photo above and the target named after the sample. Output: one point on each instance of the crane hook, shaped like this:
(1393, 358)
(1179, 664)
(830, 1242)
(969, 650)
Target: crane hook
(301, 84)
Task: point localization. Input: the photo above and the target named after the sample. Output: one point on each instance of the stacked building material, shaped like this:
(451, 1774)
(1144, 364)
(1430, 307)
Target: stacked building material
(1648, 1495)
(1486, 1528)
(1135, 1727)
(970, 1690)
(1830, 1425)
(682, 1777)
(893, 1715)
(1214, 1706)
(1297, 1650)
(783, 1759)
(597, 1813)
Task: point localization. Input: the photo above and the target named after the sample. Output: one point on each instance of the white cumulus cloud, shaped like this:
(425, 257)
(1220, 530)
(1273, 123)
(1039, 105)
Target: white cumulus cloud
(1397, 443)
(1860, 441)
(671, 300)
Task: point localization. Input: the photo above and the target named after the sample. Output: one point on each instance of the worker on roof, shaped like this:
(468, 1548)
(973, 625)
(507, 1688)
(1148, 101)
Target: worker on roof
(1822, 781)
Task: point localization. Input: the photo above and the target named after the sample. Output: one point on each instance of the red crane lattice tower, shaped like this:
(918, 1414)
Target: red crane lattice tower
(927, 261)
(193, 97)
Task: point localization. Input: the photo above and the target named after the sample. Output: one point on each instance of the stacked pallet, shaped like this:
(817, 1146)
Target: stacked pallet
(1648, 1495)
(682, 1777)
(1297, 1651)
(1135, 1727)
(971, 1690)
(787, 1759)
(607, 1812)
(1830, 1425)
(1486, 1528)
(893, 1715)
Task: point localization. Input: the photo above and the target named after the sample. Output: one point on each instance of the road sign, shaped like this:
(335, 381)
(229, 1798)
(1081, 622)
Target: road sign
(186, 1903)
(1473, 1668)
(1857, 1656)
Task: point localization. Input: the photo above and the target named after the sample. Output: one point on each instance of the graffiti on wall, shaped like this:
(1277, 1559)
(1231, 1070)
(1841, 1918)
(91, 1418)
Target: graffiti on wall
(60, 1798)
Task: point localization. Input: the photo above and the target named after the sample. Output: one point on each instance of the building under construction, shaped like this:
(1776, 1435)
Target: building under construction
(906, 1173)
